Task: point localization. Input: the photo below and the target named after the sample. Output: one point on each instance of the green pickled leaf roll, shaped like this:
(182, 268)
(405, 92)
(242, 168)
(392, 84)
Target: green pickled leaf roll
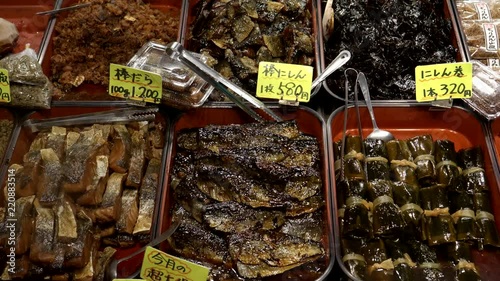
(377, 188)
(404, 193)
(447, 170)
(404, 171)
(482, 202)
(459, 250)
(422, 151)
(466, 271)
(465, 224)
(473, 174)
(439, 227)
(356, 222)
(387, 219)
(434, 197)
(431, 272)
(383, 271)
(356, 265)
(377, 168)
(487, 228)
(397, 150)
(350, 188)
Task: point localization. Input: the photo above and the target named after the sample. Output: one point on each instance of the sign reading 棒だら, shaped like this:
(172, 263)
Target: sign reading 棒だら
(130, 83)
(443, 81)
(159, 266)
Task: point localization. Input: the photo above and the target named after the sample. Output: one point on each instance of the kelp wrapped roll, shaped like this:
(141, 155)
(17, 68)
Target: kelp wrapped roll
(398, 150)
(404, 193)
(356, 265)
(457, 251)
(377, 188)
(473, 174)
(377, 164)
(438, 227)
(482, 202)
(422, 151)
(447, 170)
(430, 272)
(374, 251)
(353, 166)
(353, 144)
(350, 188)
(403, 265)
(460, 201)
(422, 253)
(466, 271)
(413, 215)
(383, 271)
(356, 223)
(387, 219)
(404, 171)
(465, 224)
(487, 229)
(434, 197)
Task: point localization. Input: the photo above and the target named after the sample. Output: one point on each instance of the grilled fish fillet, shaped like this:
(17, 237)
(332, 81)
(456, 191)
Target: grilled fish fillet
(147, 195)
(24, 223)
(41, 249)
(94, 191)
(137, 159)
(49, 183)
(110, 208)
(128, 217)
(56, 140)
(119, 159)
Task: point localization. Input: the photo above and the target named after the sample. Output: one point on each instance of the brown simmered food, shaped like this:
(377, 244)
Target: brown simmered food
(8, 36)
(108, 31)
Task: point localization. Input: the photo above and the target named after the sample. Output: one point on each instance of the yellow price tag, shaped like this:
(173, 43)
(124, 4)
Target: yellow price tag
(443, 81)
(284, 81)
(130, 83)
(127, 279)
(159, 266)
(4, 86)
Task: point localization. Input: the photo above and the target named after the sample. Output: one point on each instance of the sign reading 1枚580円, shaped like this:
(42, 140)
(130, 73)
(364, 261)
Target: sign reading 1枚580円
(130, 83)
(443, 81)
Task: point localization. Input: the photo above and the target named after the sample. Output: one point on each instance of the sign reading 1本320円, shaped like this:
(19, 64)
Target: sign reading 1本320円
(443, 81)
(130, 83)
(4, 86)
(284, 81)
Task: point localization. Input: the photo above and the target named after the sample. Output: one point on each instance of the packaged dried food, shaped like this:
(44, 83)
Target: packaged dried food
(8, 36)
(29, 87)
(482, 38)
(486, 91)
(478, 10)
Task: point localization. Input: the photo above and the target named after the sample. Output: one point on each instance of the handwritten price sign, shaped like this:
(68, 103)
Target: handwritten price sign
(4, 86)
(284, 81)
(443, 81)
(130, 83)
(159, 266)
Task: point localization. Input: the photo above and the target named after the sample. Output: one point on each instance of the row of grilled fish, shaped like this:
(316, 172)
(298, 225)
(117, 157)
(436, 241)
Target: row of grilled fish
(249, 197)
(79, 189)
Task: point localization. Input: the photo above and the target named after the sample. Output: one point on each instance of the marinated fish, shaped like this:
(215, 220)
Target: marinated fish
(66, 227)
(27, 176)
(307, 227)
(41, 249)
(192, 199)
(104, 257)
(119, 158)
(312, 204)
(79, 157)
(49, 183)
(110, 208)
(94, 191)
(56, 140)
(87, 273)
(183, 167)
(192, 240)
(77, 253)
(147, 195)
(24, 223)
(128, 217)
(137, 159)
(24, 187)
(233, 217)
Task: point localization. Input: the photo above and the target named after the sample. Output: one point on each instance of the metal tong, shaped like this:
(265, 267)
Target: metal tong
(232, 91)
(117, 116)
(56, 11)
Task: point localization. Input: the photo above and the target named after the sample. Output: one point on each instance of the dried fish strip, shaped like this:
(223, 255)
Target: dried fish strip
(56, 140)
(94, 191)
(27, 176)
(137, 159)
(78, 253)
(110, 208)
(88, 271)
(41, 249)
(66, 226)
(128, 218)
(49, 184)
(119, 158)
(103, 259)
(24, 223)
(147, 195)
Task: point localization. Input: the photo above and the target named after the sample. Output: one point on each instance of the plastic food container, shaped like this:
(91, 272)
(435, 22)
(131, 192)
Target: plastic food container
(92, 94)
(455, 41)
(314, 7)
(405, 121)
(31, 27)
(309, 122)
(25, 137)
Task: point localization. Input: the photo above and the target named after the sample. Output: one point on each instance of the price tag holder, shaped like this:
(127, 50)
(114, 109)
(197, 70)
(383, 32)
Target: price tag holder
(130, 83)
(443, 81)
(4, 86)
(284, 81)
(159, 266)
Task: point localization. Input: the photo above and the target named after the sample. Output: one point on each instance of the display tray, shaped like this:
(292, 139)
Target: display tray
(87, 92)
(6, 116)
(25, 138)
(309, 123)
(338, 91)
(314, 8)
(31, 27)
(405, 121)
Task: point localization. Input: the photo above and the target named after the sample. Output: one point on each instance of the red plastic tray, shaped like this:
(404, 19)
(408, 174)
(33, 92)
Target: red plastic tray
(405, 121)
(309, 123)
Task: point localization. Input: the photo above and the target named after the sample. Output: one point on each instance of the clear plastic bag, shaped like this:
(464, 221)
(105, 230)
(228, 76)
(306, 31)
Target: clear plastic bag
(29, 87)
(478, 10)
(483, 38)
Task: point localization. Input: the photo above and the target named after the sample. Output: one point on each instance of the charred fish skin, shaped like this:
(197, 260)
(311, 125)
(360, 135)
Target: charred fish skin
(192, 199)
(147, 195)
(307, 227)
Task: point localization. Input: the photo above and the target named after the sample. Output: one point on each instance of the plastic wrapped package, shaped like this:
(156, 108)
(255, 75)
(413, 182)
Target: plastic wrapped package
(480, 10)
(482, 38)
(29, 87)
(486, 91)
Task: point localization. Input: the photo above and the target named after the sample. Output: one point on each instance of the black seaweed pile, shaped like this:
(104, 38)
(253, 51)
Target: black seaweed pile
(388, 39)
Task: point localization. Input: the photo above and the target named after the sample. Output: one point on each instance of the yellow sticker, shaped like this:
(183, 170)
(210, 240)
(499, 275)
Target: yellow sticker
(443, 81)
(159, 266)
(4, 86)
(127, 279)
(284, 81)
(130, 83)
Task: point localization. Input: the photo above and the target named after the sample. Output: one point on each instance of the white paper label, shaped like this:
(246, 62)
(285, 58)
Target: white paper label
(494, 62)
(483, 11)
(490, 37)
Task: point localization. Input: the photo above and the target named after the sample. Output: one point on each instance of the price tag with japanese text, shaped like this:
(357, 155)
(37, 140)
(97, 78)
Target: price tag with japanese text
(4, 86)
(284, 81)
(159, 266)
(443, 81)
(130, 83)
(127, 279)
